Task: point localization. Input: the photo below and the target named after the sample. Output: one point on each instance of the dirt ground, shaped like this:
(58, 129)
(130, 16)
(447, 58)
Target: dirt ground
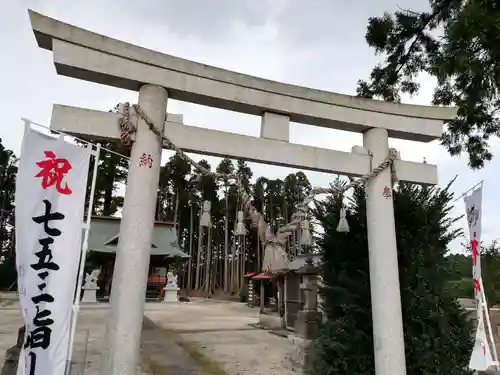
(201, 337)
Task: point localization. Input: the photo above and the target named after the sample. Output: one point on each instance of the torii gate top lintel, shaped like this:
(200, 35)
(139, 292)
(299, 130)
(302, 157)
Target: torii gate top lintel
(83, 54)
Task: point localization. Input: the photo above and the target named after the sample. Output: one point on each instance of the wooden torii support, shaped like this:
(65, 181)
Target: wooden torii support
(82, 54)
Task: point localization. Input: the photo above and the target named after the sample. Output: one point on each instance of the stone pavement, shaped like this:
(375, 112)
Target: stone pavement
(163, 355)
(195, 338)
(220, 331)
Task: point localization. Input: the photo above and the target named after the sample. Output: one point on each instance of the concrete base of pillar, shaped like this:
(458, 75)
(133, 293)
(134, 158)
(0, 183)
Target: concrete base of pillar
(171, 295)
(270, 321)
(307, 324)
(89, 295)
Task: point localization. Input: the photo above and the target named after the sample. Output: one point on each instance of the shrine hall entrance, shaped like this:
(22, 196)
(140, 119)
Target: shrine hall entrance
(165, 254)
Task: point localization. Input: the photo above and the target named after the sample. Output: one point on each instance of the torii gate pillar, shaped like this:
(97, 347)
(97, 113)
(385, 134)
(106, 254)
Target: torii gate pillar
(388, 339)
(136, 232)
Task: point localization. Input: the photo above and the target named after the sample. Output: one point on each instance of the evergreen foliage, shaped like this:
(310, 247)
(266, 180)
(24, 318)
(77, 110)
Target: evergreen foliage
(455, 41)
(8, 172)
(437, 334)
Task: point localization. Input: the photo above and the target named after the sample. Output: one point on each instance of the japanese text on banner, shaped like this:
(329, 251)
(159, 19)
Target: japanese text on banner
(50, 198)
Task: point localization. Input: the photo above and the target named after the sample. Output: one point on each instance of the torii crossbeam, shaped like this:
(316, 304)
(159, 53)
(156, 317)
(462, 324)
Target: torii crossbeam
(82, 54)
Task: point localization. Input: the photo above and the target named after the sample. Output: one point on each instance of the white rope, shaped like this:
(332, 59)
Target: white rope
(264, 231)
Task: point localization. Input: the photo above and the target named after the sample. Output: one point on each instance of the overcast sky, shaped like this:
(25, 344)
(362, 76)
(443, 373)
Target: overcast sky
(318, 43)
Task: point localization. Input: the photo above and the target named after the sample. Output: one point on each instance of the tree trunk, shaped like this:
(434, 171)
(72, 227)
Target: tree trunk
(198, 259)
(176, 213)
(190, 261)
(259, 267)
(226, 244)
(233, 265)
(243, 260)
(208, 261)
(108, 192)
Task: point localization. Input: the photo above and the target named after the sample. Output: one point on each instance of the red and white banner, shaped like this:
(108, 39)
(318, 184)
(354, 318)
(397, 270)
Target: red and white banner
(473, 208)
(50, 196)
(481, 358)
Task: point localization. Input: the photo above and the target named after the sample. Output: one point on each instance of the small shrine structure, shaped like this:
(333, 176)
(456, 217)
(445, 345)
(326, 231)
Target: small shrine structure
(103, 244)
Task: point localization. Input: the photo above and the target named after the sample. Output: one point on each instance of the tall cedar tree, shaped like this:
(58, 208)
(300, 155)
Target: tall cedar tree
(458, 43)
(8, 171)
(437, 333)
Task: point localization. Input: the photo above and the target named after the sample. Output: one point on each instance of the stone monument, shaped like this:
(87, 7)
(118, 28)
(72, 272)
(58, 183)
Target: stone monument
(171, 289)
(90, 287)
(308, 318)
(156, 76)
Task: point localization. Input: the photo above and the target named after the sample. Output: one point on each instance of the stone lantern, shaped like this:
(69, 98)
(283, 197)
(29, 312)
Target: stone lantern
(309, 318)
(240, 227)
(205, 220)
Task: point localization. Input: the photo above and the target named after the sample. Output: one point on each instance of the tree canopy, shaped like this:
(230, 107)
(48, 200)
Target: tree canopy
(460, 285)
(458, 43)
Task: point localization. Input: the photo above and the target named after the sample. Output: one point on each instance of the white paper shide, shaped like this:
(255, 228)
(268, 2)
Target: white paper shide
(50, 196)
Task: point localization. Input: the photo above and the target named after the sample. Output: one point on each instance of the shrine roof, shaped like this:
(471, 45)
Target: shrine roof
(104, 235)
(301, 260)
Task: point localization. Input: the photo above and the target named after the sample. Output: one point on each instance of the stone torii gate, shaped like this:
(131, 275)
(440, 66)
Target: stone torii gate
(82, 54)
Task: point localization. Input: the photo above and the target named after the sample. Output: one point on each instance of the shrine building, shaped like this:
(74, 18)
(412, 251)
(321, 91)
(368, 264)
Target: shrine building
(165, 253)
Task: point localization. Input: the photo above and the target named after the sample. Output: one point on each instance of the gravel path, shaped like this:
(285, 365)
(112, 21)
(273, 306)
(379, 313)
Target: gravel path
(221, 332)
(195, 338)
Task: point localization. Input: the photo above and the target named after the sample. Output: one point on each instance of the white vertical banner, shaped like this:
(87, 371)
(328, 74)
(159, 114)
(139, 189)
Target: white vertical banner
(473, 209)
(50, 196)
(481, 358)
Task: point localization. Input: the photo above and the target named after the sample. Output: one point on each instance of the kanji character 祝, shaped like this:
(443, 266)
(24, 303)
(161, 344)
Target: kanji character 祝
(53, 171)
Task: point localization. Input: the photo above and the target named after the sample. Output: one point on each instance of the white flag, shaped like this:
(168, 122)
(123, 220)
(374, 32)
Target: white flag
(481, 359)
(473, 209)
(50, 196)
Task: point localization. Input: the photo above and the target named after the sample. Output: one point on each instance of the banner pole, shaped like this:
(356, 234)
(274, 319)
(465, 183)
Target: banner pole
(488, 322)
(83, 256)
(480, 183)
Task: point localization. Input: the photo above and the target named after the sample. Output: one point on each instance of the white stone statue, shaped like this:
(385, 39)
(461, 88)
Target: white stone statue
(171, 289)
(91, 279)
(90, 287)
(171, 280)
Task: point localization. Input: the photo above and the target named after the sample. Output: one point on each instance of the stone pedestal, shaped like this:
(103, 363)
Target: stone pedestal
(171, 294)
(12, 355)
(89, 294)
(297, 359)
(307, 324)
